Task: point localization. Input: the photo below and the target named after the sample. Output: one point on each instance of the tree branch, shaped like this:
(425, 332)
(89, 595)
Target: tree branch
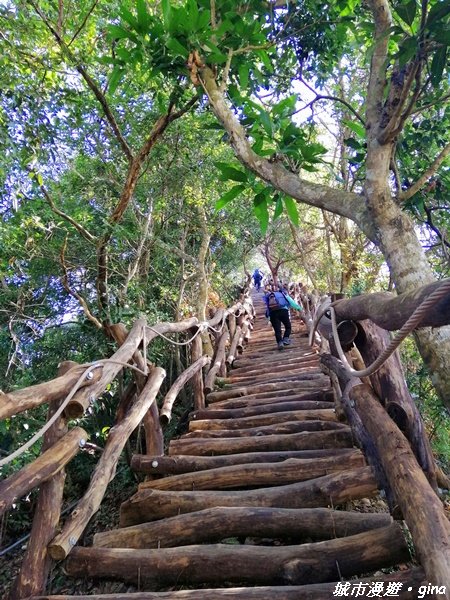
(407, 194)
(73, 293)
(81, 230)
(328, 97)
(89, 81)
(347, 204)
(383, 20)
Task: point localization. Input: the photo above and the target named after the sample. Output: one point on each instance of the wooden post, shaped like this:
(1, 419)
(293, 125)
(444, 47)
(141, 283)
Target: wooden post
(36, 564)
(106, 468)
(232, 324)
(390, 386)
(197, 380)
(154, 439)
(421, 508)
(234, 343)
(220, 357)
(166, 410)
(46, 466)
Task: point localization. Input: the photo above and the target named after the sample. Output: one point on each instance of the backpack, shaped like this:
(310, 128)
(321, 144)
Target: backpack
(273, 302)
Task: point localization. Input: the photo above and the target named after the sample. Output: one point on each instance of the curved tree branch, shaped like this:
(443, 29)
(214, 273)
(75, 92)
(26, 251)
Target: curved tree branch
(89, 81)
(81, 230)
(407, 194)
(346, 204)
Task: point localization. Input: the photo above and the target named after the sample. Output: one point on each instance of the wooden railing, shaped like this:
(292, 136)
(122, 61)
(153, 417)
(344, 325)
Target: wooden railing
(385, 420)
(79, 386)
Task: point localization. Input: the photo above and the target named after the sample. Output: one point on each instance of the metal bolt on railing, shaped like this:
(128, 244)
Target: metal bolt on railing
(155, 463)
(82, 443)
(89, 375)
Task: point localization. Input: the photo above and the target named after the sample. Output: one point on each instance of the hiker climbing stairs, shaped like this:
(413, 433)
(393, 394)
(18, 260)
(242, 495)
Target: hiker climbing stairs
(266, 492)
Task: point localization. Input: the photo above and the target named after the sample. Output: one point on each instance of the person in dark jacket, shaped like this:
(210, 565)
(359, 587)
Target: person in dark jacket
(277, 310)
(257, 278)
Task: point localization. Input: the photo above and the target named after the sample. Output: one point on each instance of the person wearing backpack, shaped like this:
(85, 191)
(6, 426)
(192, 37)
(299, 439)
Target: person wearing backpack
(257, 278)
(277, 310)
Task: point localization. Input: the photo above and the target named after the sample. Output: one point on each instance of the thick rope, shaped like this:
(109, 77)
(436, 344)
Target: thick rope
(89, 367)
(95, 365)
(413, 321)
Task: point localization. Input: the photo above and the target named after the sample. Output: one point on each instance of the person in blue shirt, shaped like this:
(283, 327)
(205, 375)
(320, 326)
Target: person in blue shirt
(257, 278)
(277, 310)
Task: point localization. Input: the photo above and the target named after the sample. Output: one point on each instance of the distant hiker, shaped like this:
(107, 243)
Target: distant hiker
(257, 278)
(278, 303)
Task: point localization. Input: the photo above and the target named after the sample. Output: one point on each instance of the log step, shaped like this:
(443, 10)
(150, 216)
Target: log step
(305, 440)
(218, 523)
(273, 429)
(264, 409)
(177, 464)
(241, 564)
(251, 475)
(299, 416)
(330, 490)
(410, 579)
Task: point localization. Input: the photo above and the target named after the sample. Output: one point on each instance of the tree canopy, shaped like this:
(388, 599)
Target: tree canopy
(143, 138)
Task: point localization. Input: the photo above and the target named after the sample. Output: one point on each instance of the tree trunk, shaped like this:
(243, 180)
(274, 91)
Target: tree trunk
(421, 508)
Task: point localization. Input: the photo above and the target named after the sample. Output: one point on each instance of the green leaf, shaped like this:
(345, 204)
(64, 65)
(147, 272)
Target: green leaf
(177, 48)
(243, 75)
(291, 208)
(167, 14)
(438, 11)
(438, 65)
(357, 128)
(407, 50)
(278, 208)
(144, 19)
(407, 12)
(352, 143)
(265, 60)
(116, 32)
(260, 211)
(229, 196)
(286, 106)
(203, 20)
(128, 17)
(114, 80)
(229, 172)
(193, 14)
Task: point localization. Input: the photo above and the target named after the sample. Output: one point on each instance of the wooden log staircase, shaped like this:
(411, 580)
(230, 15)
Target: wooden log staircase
(265, 497)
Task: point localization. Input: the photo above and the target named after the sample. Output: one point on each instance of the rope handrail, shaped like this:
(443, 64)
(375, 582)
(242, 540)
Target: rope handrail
(89, 367)
(412, 322)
